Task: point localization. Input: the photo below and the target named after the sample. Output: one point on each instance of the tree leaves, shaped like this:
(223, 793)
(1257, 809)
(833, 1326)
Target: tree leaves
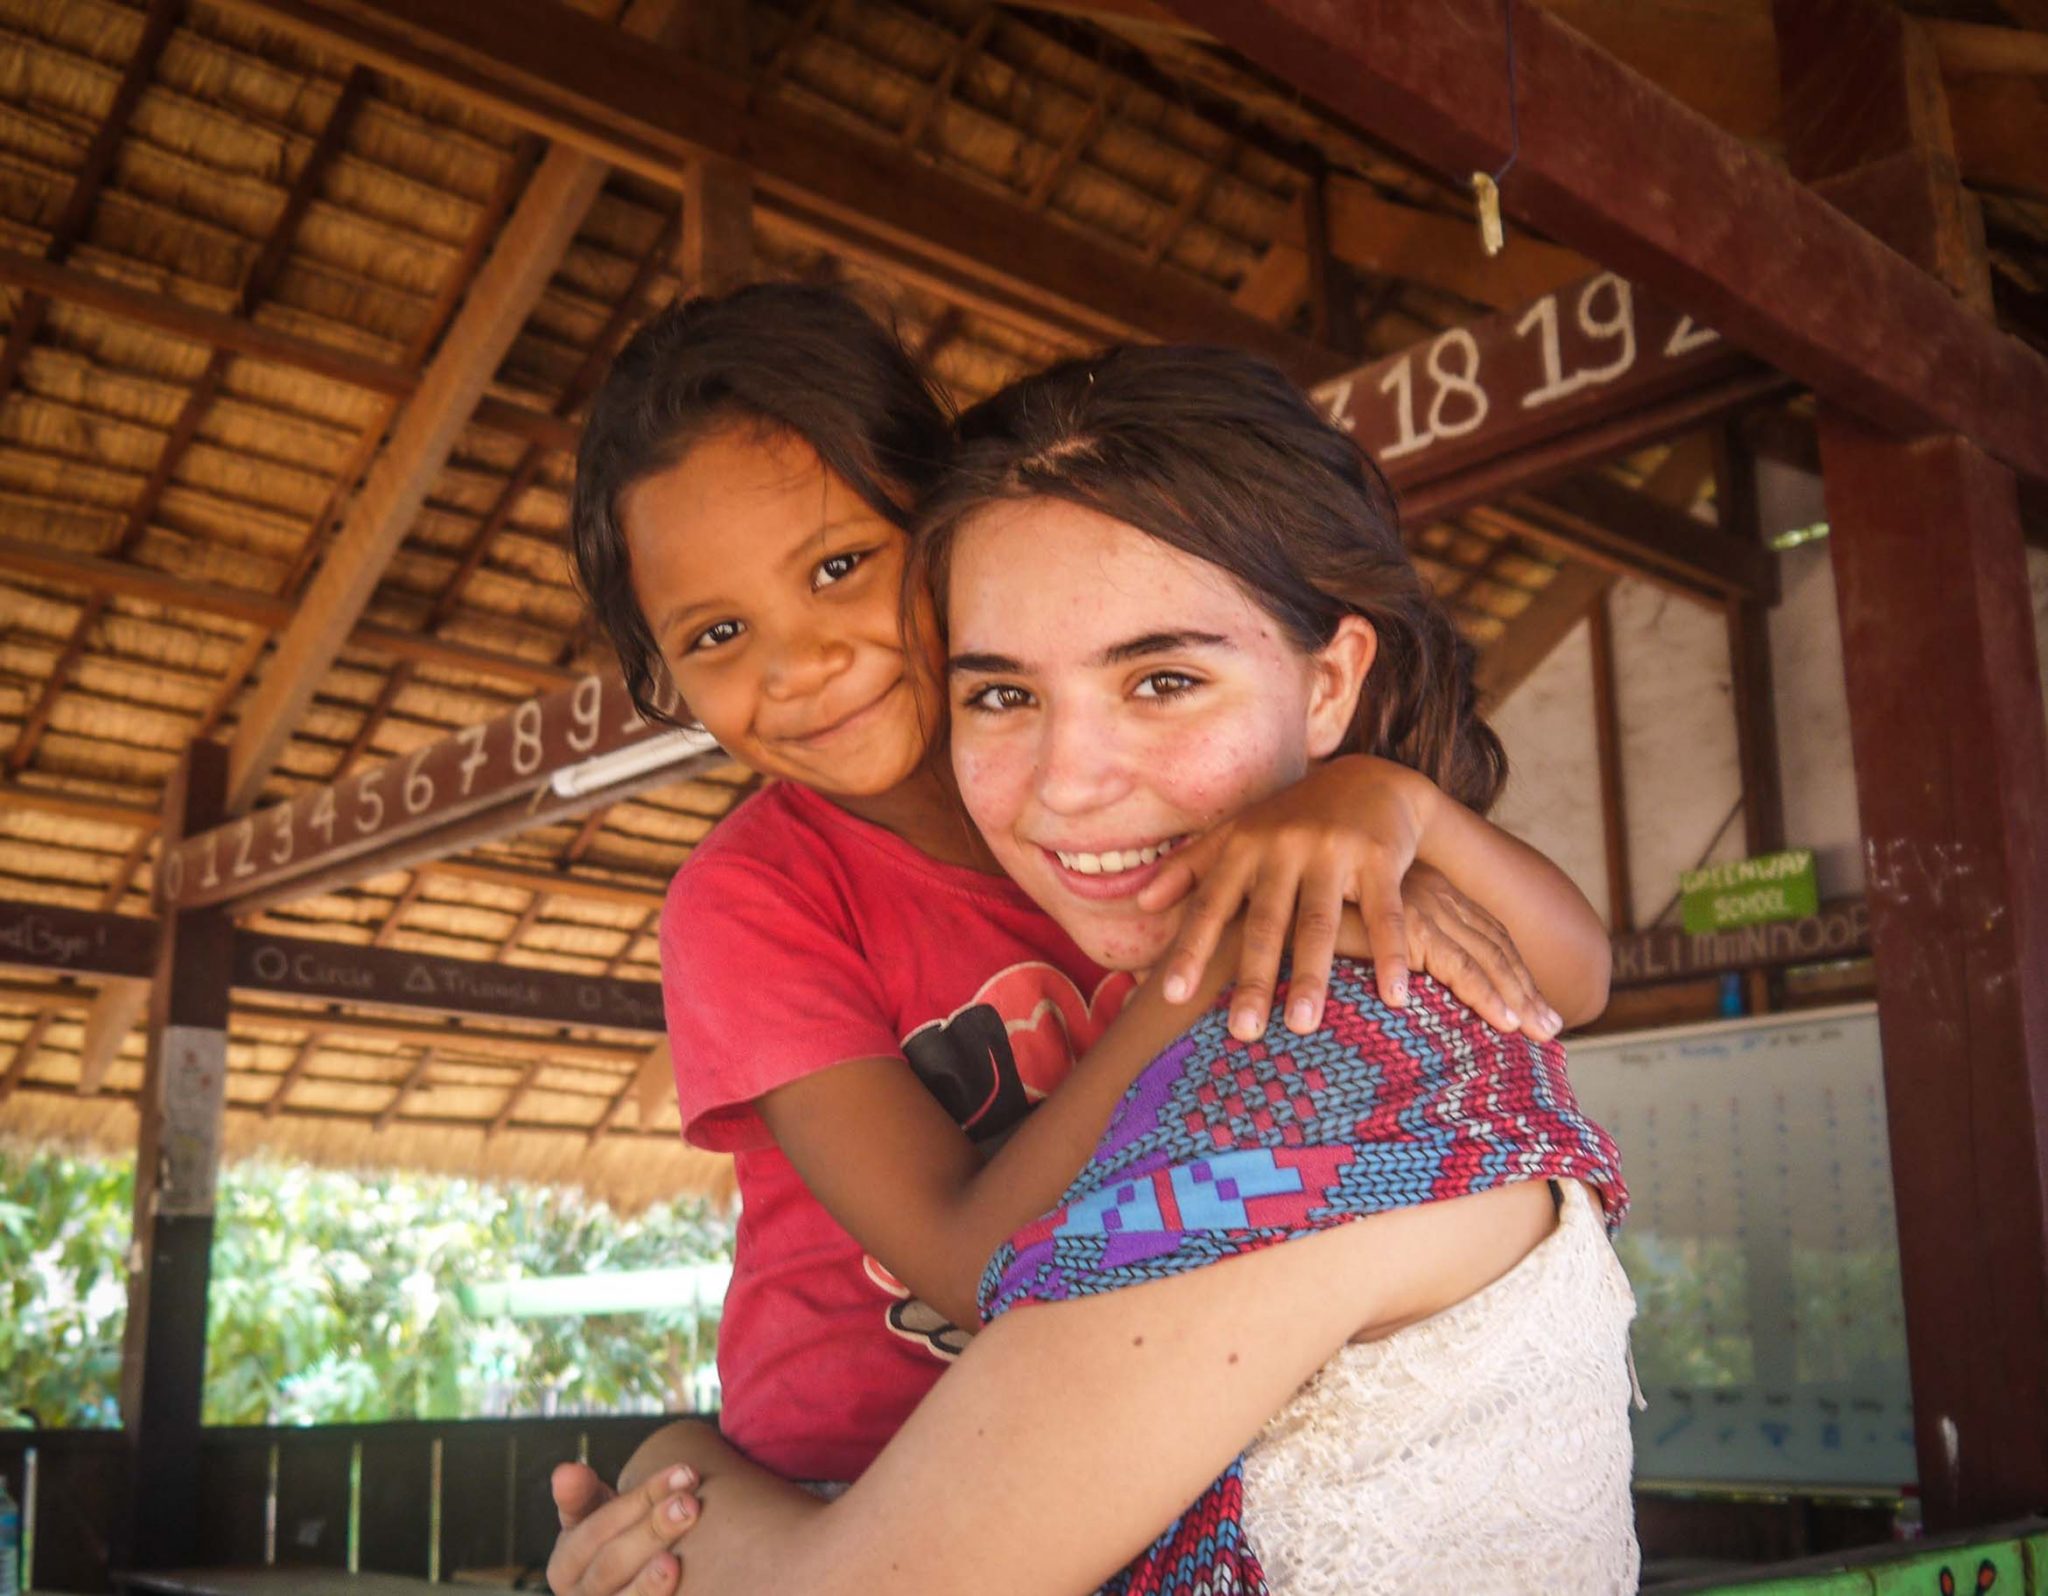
(334, 1296)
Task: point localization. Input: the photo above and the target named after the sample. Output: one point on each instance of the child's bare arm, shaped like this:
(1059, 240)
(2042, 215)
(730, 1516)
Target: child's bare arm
(888, 1162)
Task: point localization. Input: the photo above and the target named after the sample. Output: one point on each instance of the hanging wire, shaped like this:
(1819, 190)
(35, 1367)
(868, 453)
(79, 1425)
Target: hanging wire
(1514, 100)
(1486, 185)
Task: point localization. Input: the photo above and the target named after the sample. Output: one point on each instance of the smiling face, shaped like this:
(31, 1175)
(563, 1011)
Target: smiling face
(1111, 697)
(774, 592)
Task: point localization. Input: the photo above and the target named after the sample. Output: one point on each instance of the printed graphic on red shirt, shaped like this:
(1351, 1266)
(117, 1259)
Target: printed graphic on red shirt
(995, 1056)
(988, 1063)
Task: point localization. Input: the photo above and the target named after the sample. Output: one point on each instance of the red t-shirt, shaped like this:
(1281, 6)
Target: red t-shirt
(796, 938)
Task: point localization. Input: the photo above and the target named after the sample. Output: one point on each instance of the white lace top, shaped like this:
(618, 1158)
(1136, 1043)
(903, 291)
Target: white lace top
(1484, 1450)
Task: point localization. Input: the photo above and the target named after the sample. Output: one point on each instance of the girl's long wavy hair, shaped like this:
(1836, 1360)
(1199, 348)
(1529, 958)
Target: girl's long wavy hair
(798, 358)
(1217, 454)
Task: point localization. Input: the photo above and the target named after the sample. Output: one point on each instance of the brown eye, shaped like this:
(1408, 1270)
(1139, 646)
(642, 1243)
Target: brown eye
(716, 635)
(837, 568)
(1166, 684)
(996, 698)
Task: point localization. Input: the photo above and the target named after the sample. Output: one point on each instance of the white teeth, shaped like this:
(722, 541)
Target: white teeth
(1116, 861)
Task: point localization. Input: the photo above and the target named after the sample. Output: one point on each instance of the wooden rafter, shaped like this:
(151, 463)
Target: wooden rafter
(550, 69)
(1534, 634)
(256, 286)
(941, 89)
(157, 27)
(1393, 240)
(257, 340)
(1190, 204)
(1799, 285)
(506, 289)
(263, 610)
(525, 473)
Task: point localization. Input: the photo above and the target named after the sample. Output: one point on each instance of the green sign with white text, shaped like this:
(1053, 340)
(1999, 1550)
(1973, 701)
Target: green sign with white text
(1774, 886)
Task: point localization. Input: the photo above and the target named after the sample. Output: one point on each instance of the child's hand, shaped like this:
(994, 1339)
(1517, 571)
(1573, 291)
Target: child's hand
(613, 1545)
(1454, 940)
(1346, 833)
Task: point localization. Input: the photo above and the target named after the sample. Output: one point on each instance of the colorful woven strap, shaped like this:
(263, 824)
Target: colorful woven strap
(1221, 1147)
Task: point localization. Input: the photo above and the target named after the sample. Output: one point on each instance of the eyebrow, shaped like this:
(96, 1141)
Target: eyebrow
(1115, 654)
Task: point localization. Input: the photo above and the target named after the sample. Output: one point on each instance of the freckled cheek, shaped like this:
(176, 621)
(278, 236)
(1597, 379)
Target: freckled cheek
(994, 774)
(1208, 773)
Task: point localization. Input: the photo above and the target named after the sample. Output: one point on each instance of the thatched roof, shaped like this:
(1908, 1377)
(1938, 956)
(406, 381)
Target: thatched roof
(144, 449)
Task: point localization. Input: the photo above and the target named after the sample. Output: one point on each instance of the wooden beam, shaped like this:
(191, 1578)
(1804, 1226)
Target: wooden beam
(347, 973)
(256, 285)
(1580, 361)
(1602, 520)
(1533, 635)
(157, 27)
(117, 1009)
(180, 318)
(503, 764)
(1841, 930)
(1797, 283)
(718, 227)
(568, 76)
(1436, 250)
(48, 936)
(1716, 60)
(1621, 913)
(119, 578)
(964, 50)
(506, 290)
(1190, 204)
(177, 1161)
(1952, 790)
(582, 383)
(1966, 49)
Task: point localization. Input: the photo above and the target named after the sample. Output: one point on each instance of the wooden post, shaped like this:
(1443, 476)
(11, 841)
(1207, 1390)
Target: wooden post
(163, 1362)
(1621, 909)
(1750, 685)
(1946, 723)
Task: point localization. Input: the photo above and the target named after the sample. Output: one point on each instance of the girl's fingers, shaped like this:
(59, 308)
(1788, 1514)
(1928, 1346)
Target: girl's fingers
(1452, 964)
(1386, 931)
(1183, 870)
(1213, 906)
(659, 1575)
(1489, 944)
(1266, 923)
(578, 1492)
(626, 1556)
(1316, 919)
(605, 1552)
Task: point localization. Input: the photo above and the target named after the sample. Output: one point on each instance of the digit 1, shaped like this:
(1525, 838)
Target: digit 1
(1400, 382)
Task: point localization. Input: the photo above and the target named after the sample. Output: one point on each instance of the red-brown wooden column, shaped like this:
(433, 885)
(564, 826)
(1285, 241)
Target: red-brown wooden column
(163, 1362)
(1951, 756)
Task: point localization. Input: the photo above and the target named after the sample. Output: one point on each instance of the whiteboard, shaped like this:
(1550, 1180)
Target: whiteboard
(1770, 1333)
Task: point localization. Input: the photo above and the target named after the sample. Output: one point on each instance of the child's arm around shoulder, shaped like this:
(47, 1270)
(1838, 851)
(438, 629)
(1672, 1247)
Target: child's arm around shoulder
(781, 1032)
(888, 1162)
(1350, 831)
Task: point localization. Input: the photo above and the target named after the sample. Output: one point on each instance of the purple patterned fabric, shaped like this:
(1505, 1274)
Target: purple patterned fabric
(1221, 1147)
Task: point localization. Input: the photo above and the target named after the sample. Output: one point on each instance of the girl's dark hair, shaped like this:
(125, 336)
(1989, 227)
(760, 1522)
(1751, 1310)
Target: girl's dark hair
(809, 360)
(1218, 455)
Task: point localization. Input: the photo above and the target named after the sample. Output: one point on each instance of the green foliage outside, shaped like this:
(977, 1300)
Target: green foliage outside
(334, 1297)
